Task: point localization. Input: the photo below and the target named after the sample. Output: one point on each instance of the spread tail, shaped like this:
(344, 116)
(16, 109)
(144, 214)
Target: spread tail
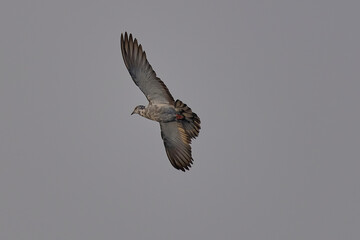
(190, 121)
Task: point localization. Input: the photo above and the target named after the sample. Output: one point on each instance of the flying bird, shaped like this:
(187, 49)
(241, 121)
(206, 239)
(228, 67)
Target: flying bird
(178, 123)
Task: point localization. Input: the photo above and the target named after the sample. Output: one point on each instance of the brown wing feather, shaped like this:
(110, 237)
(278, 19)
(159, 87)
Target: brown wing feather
(142, 73)
(191, 121)
(177, 145)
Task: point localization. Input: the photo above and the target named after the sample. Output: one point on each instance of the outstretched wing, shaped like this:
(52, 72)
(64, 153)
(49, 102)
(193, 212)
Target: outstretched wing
(142, 73)
(177, 145)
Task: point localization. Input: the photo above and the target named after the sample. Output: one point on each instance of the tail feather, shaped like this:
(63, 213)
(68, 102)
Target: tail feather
(191, 121)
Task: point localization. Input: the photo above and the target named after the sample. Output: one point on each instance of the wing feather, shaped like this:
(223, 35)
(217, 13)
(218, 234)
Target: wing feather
(177, 145)
(142, 73)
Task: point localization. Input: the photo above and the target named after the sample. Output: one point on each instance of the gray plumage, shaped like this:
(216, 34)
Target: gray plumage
(178, 123)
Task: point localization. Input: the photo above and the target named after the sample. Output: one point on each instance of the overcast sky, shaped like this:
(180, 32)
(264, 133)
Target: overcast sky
(275, 83)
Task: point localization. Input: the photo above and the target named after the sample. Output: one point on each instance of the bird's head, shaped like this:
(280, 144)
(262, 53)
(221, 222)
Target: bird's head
(139, 110)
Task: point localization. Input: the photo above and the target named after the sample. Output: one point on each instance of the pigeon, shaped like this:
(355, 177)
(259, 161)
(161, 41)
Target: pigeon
(178, 123)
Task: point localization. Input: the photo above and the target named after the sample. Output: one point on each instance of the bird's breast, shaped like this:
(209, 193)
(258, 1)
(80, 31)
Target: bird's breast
(160, 113)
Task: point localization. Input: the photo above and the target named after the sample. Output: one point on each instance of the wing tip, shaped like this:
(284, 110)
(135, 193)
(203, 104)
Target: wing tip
(178, 162)
(183, 168)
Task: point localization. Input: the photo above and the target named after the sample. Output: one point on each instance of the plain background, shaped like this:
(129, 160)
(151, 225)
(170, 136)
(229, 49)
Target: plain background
(276, 84)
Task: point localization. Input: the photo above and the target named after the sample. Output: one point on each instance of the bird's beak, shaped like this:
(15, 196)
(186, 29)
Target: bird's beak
(132, 112)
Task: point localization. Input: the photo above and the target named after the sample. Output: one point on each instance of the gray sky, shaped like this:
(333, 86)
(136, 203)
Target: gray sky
(275, 83)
